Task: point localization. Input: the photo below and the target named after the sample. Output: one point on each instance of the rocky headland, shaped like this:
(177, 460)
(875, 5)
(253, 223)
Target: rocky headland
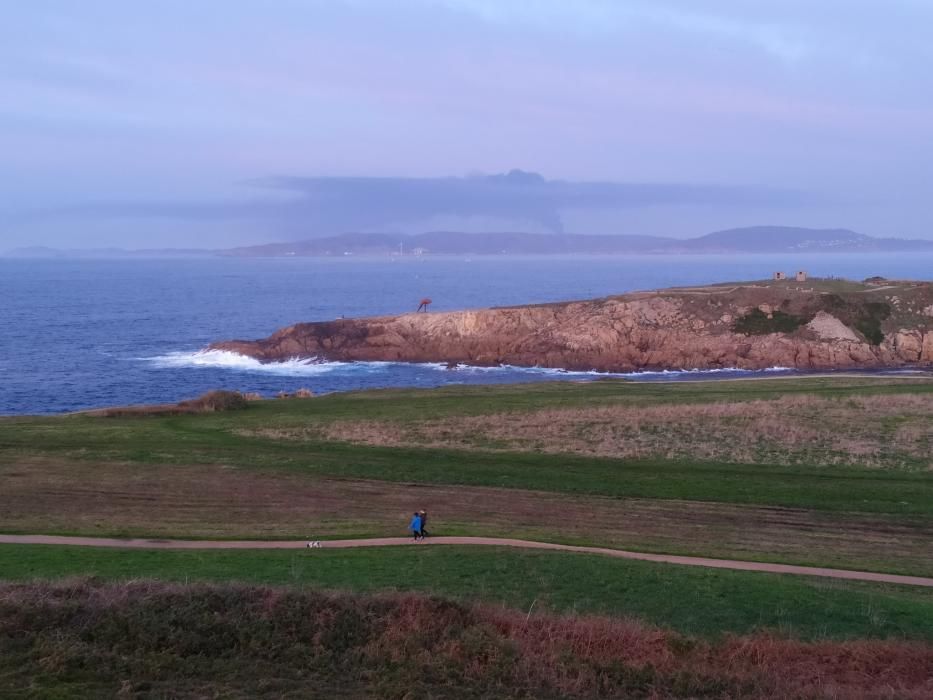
(818, 324)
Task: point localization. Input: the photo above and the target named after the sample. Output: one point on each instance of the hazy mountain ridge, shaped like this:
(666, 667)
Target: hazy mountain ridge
(455, 243)
(748, 240)
(755, 239)
(767, 239)
(43, 252)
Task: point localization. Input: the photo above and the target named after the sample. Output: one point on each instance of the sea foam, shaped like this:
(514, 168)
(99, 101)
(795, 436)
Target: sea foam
(223, 359)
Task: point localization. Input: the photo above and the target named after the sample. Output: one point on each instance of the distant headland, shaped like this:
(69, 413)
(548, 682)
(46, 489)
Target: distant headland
(807, 325)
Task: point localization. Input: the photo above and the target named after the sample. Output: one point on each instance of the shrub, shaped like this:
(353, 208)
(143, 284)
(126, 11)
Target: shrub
(217, 400)
(83, 638)
(864, 316)
(756, 322)
(868, 322)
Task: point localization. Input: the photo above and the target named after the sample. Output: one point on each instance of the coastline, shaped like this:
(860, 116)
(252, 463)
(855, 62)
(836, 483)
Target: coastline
(755, 376)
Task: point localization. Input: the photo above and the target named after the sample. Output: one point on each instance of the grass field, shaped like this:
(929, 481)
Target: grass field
(701, 490)
(693, 601)
(57, 497)
(820, 471)
(893, 431)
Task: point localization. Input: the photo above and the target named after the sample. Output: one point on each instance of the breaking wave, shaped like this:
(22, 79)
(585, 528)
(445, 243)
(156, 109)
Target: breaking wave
(223, 359)
(671, 373)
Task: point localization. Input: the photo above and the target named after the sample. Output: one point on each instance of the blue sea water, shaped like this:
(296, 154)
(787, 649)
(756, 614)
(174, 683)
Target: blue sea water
(78, 334)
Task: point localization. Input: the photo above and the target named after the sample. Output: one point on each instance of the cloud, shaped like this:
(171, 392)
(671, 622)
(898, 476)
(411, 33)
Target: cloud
(517, 195)
(111, 112)
(324, 205)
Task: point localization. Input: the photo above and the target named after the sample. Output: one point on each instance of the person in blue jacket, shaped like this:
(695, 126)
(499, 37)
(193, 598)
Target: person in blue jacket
(415, 527)
(424, 523)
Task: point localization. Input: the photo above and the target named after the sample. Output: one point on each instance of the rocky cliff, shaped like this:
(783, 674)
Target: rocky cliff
(821, 324)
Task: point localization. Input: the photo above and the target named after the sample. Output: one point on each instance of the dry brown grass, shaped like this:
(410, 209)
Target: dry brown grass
(213, 501)
(879, 431)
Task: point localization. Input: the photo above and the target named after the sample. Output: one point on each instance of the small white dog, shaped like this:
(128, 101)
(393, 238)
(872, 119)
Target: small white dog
(313, 544)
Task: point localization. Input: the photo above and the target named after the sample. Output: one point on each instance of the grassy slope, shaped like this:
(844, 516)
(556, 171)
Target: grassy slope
(159, 640)
(211, 439)
(120, 454)
(114, 469)
(128, 450)
(691, 600)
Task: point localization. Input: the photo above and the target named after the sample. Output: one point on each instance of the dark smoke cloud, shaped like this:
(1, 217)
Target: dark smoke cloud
(359, 202)
(324, 205)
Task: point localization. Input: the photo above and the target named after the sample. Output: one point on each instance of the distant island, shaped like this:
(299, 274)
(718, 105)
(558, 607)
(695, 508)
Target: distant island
(748, 240)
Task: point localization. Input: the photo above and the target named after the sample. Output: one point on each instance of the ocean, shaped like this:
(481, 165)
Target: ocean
(77, 334)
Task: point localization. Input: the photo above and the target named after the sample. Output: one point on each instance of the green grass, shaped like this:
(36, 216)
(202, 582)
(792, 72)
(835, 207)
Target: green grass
(187, 441)
(130, 455)
(211, 439)
(830, 489)
(144, 445)
(419, 404)
(691, 600)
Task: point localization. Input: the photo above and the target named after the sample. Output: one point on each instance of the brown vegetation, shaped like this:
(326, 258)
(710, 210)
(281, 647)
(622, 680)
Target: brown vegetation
(299, 394)
(880, 431)
(148, 639)
(217, 400)
(212, 401)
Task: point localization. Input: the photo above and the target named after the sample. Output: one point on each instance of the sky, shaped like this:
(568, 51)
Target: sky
(230, 122)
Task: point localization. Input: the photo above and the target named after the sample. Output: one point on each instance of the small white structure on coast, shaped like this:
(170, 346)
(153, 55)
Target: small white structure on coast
(801, 276)
(779, 275)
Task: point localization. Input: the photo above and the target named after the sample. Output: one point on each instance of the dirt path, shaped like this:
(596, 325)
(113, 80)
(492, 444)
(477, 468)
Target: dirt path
(489, 541)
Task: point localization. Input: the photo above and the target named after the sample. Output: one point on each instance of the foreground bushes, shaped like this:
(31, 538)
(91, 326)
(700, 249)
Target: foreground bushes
(151, 639)
(212, 401)
(217, 400)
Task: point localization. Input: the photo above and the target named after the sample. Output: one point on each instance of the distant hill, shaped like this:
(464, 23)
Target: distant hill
(36, 251)
(779, 239)
(754, 239)
(97, 253)
(452, 243)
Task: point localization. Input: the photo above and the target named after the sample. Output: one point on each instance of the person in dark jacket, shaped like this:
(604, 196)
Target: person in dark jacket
(415, 526)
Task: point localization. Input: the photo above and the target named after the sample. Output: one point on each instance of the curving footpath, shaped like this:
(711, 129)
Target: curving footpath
(733, 564)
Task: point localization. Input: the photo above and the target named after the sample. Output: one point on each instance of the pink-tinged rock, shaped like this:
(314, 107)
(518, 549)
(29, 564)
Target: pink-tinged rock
(926, 351)
(659, 330)
(908, 344)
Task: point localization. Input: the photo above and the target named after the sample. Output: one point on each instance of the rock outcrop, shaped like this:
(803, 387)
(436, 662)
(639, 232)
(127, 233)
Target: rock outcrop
(826, 325)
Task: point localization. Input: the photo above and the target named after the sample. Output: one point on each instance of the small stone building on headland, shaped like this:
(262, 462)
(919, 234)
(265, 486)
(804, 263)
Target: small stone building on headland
(801, 275)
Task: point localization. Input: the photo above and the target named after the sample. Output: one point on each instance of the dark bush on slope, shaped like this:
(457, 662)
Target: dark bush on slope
(146, 639)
